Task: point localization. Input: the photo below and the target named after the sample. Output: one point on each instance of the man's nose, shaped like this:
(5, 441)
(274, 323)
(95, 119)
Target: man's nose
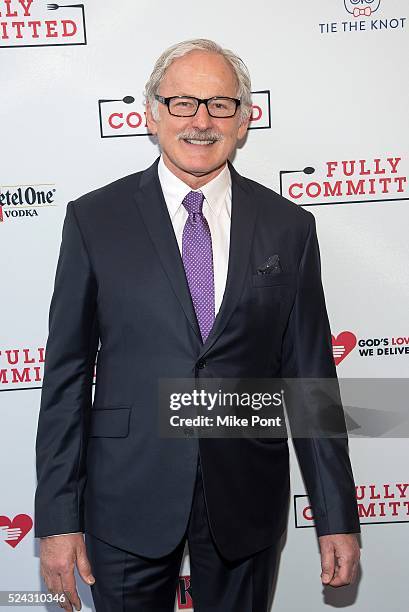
(202, 119)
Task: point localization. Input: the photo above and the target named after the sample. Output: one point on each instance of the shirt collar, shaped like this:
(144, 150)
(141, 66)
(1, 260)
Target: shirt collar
(175, 190)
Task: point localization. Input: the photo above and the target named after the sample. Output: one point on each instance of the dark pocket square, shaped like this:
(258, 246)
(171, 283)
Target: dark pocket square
(270, 266)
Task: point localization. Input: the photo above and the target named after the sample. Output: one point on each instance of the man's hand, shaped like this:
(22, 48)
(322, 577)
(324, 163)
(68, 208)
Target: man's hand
(58, 558)
(339, 558)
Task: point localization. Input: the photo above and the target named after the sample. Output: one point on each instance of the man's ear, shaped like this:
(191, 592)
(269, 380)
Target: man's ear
(243, 128)
(150, 121)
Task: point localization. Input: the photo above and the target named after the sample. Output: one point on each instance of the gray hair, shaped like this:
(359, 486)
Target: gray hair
(199, 44)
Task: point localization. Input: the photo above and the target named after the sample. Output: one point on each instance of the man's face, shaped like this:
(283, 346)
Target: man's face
(202, 75)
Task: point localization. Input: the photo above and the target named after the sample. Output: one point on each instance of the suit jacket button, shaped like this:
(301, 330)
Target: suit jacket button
(201, 364)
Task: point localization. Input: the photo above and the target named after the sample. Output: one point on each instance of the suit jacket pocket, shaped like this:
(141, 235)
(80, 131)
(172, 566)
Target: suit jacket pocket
(273, 278)
(110, 422)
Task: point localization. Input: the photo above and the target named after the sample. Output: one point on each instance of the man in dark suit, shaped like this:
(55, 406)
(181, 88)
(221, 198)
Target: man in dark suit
(184, 270)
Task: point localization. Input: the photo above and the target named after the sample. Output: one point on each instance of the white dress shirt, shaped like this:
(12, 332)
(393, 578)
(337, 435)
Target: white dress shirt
(217, 211)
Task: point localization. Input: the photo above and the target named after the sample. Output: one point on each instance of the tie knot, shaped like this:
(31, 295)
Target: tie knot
(193, 202)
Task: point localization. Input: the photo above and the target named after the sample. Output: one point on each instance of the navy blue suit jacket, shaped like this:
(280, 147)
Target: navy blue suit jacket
(102, 467)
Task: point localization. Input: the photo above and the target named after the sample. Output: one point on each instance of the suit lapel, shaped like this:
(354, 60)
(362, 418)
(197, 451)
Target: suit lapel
(152, 206)
(153, 209)
(243, 219)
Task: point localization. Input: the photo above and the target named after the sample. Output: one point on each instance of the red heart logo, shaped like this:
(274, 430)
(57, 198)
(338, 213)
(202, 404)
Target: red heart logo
(21, 525)
(342, 345)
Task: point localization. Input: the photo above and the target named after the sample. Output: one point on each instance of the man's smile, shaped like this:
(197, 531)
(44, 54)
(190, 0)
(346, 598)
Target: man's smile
(199, 142)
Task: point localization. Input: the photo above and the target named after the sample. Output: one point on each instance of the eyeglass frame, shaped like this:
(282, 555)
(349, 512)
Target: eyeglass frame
(205, 101)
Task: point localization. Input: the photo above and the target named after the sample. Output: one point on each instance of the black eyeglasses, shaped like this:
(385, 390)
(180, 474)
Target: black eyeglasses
(187, 106)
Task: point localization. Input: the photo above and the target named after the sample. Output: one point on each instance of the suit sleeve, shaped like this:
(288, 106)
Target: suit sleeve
(67, 388)
(315, 406)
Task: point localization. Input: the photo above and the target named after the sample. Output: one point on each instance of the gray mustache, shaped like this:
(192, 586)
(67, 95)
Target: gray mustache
(207, 135)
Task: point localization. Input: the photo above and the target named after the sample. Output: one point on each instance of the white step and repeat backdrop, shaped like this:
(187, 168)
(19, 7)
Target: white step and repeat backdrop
(331, 85)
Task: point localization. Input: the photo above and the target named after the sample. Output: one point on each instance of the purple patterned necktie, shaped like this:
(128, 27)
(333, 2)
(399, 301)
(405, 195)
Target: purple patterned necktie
(197, 259)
